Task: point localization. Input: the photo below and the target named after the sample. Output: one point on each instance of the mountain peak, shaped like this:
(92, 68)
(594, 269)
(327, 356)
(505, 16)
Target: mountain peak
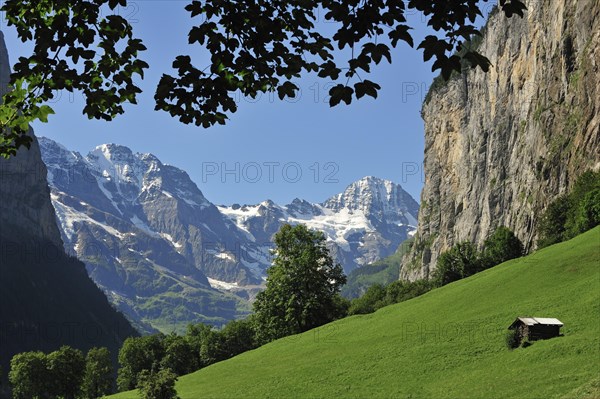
(374, 195)
(373, 179)
(55, 155)
(373, 182)
(49, 143)
(113, 153)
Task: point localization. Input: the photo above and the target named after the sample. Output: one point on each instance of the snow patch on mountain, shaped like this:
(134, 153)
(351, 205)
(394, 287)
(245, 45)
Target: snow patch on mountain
(171, 240)
(68, 217)
(222, 285)
(140, 224)
(337, 226)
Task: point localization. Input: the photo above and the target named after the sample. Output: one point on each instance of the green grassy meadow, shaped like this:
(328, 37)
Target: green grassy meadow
(448, 343)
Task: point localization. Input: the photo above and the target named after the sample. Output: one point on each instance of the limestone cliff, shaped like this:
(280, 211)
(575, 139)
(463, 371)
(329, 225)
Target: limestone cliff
(499, 146)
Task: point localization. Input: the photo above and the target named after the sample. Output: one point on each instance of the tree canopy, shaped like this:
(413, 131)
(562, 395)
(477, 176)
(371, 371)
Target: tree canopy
(302, 290)
(58, 374)
(66, 371)
(573, 213)
(460, 261)
(97, 378)
(136, 355)
(501, 246)
(27, 375)
(157, 384)
(254, 47)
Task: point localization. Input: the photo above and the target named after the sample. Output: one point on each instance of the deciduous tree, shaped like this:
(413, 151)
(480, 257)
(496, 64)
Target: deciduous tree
(136, 355)
(462, 260)
(157, 384)
(501, 246)
(66, 367)
(180, 357)
(98, 376)
(302, 285)
(238, 336)
(28, 375)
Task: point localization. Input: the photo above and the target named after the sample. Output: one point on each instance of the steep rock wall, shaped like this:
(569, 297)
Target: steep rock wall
(25, 206)
(500, 146)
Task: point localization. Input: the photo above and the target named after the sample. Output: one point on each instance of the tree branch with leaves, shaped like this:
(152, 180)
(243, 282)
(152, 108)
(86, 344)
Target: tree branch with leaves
(254, 47)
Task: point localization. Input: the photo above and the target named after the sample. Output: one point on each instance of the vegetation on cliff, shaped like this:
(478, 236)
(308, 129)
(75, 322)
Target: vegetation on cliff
(573, 213)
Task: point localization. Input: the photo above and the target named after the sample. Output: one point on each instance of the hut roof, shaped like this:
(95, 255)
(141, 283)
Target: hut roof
(532, 321)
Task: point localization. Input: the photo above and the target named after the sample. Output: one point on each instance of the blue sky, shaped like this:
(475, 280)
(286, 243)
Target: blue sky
(269, 149)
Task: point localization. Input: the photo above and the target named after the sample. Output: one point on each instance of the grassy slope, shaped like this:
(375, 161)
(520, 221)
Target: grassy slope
(446, 343)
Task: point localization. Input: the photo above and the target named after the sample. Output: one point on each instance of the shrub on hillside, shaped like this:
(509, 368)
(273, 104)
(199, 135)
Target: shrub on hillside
(525, 342)
(400, 291)
(512, 339)
(552, 225)
(378, 296)
(464, 260)
(372, 300)
(587, 214)
(157, 384)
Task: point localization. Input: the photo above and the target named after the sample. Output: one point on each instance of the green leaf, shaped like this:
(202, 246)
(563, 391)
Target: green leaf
(43, 113)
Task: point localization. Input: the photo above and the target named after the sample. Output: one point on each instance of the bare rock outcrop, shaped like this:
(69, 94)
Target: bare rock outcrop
(500, 146)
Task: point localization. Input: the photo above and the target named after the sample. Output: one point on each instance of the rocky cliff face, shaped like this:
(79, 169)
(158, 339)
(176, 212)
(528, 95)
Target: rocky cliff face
(25, 207)
(500, 146)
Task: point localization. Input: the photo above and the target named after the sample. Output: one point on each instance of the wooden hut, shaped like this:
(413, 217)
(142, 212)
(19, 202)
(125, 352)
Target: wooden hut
(535, 328)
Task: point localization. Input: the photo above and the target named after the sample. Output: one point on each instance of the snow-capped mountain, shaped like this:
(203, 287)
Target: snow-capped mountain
(363, 224)
(139, 226)
(160, 249)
